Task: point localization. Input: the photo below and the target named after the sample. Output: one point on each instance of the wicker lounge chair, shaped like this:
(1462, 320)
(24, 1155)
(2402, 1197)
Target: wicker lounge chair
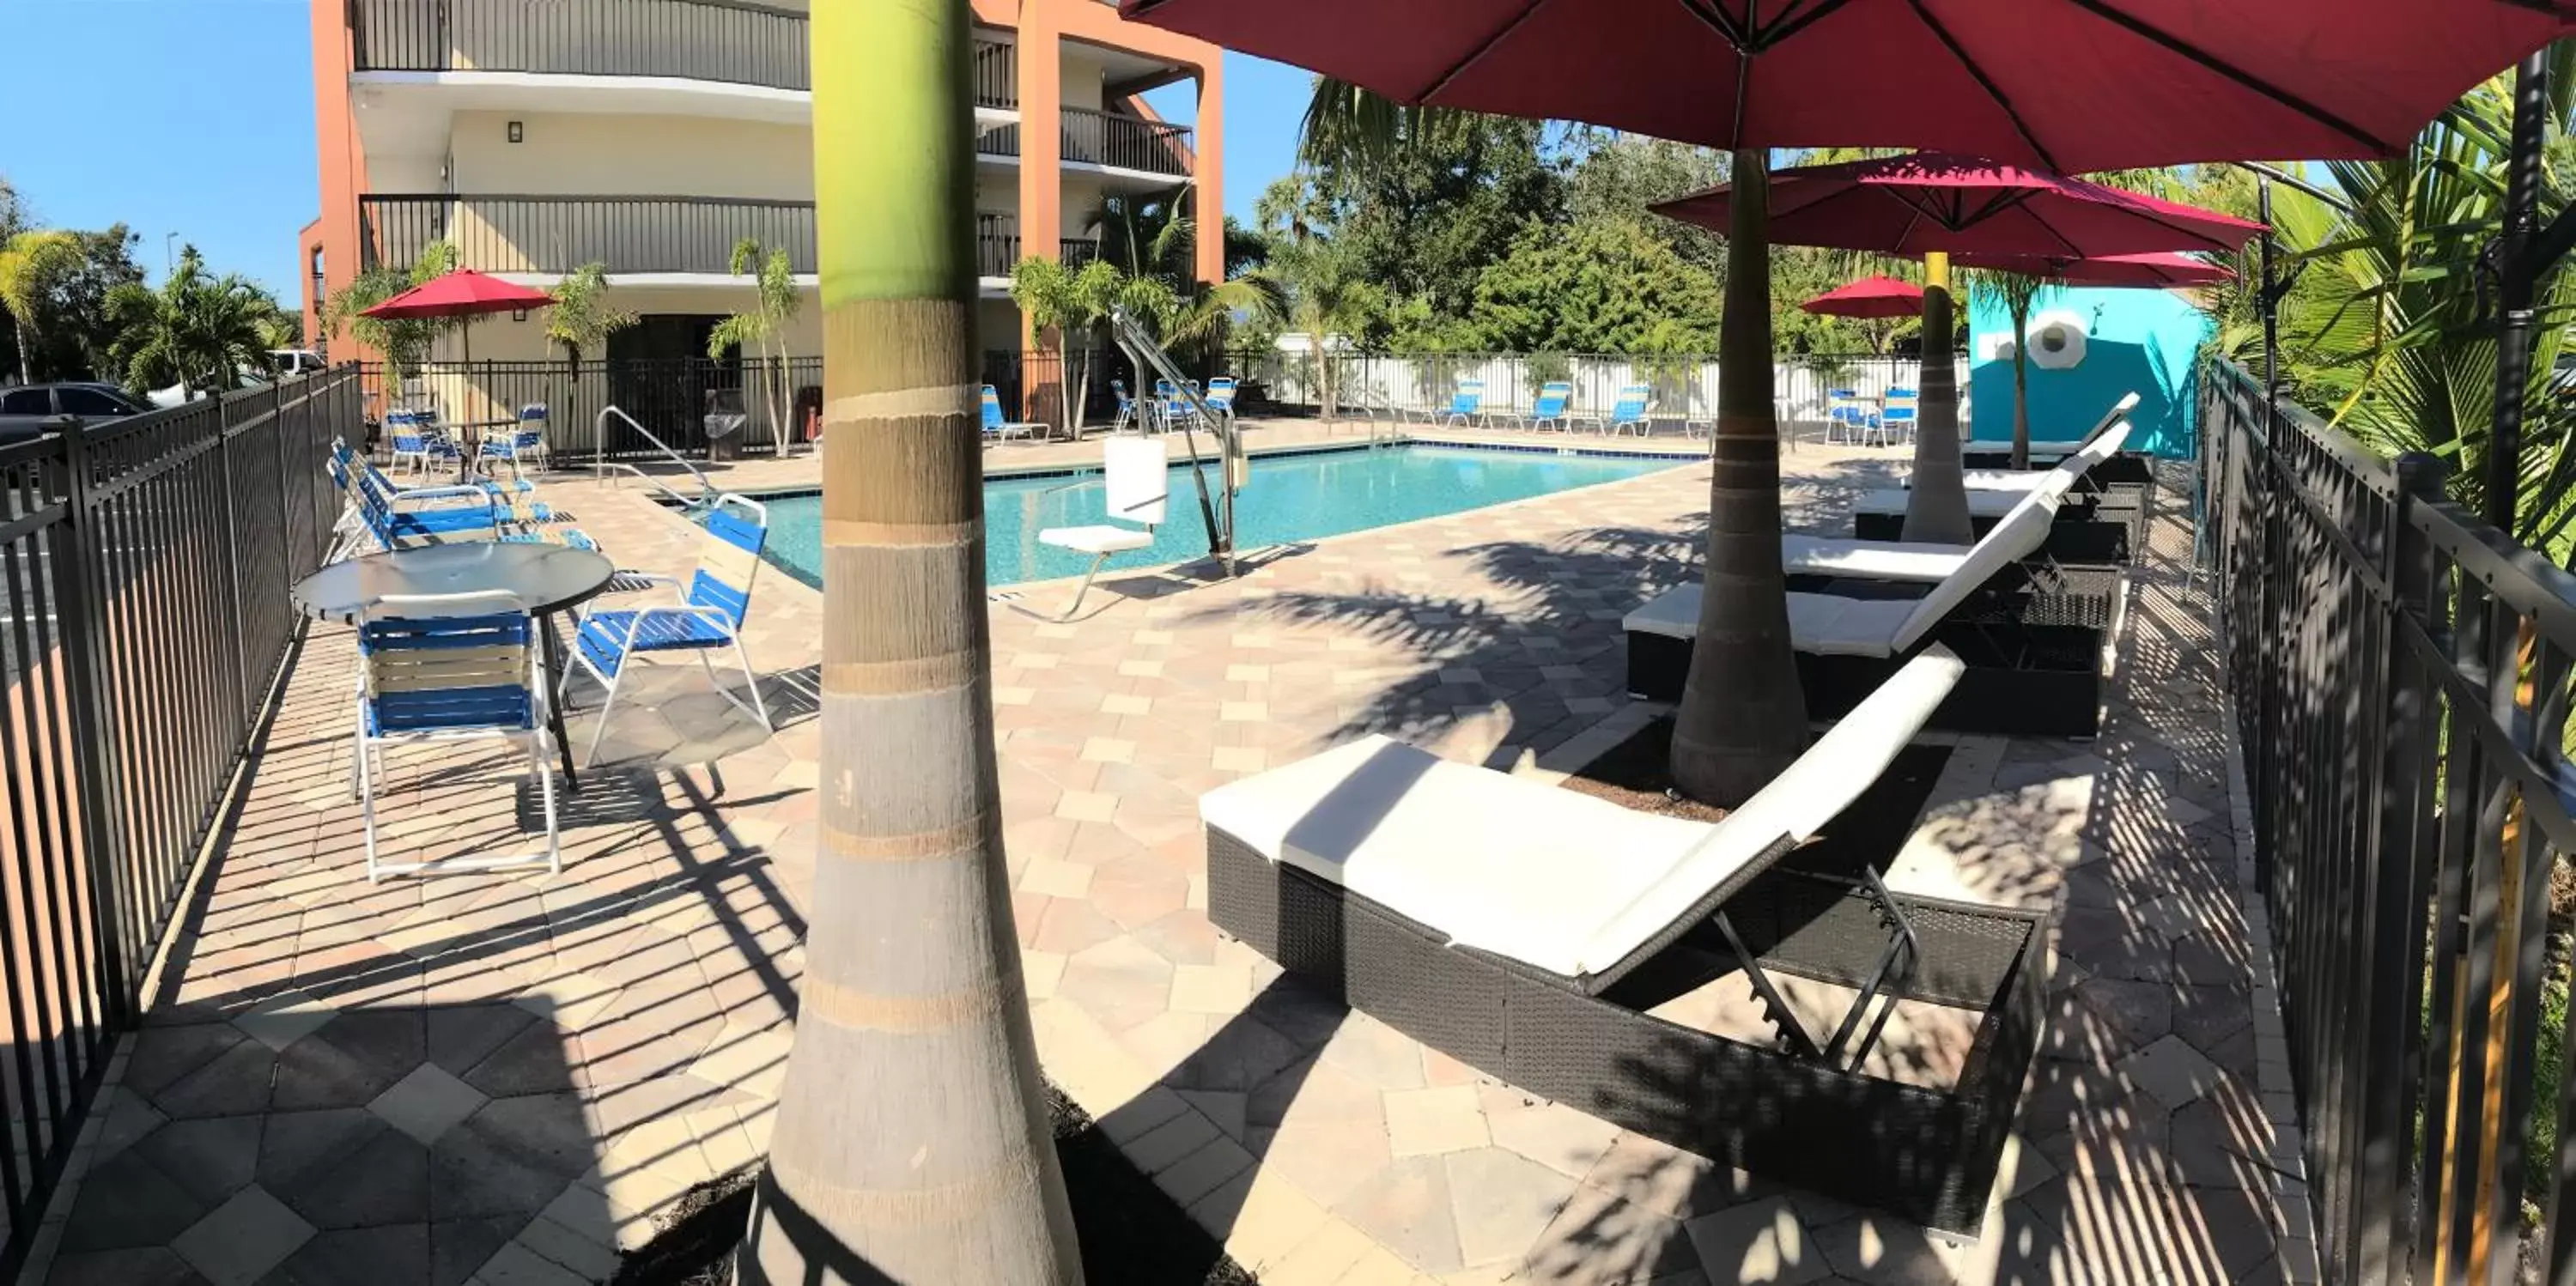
(1985, 455)
(1526, 930)
(2093, 526)
(2032, 669)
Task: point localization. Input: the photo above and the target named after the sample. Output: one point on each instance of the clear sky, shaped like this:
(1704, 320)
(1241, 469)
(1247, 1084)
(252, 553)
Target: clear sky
(208, 132)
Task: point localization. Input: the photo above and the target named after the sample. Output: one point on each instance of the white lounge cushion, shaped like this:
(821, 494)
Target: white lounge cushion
(1509, 866)
(1981, 504)
(1826, 624)
(1096, 540)
(2115, 420)
(1891, 560)
(1554, 879)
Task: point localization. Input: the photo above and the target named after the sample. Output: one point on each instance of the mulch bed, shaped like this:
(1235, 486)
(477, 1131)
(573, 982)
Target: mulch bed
(1131, 1233)
(1637, 774)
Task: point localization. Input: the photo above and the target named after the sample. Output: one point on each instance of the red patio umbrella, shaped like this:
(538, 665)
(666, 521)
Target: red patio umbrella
(2072, 85)
(462, 293)
(1924, 203)
(2108, 270)
(1869, 297)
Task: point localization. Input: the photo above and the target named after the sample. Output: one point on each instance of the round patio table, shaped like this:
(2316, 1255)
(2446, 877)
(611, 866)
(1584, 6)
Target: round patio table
(548, 578)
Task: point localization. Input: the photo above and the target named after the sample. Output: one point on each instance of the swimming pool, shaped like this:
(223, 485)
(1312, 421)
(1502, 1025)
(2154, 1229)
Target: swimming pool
(1290, 497)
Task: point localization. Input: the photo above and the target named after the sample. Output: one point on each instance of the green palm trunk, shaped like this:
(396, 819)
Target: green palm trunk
(1936, 510)
(1743, 717)
(912, 1143)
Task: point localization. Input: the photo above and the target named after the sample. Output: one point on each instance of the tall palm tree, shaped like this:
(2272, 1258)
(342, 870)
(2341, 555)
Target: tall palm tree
(1936, 503)
(29, 262)
(1743, 715)
(775, 303)
(912, 1142)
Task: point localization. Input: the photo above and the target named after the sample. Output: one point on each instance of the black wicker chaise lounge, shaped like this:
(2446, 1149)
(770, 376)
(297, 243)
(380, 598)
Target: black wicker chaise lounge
(2034, 661)
(2097, 522)
(1527, 930)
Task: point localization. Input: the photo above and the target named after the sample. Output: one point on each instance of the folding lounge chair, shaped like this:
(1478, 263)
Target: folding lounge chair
(450, 667)
(2093, 527)
(1550, 408)
(1526, 930)
(1136, 485)
(1467, 405)
(1895, 423)
(998, 428)
(2026, 676)
(707, 618)
(1220, 397)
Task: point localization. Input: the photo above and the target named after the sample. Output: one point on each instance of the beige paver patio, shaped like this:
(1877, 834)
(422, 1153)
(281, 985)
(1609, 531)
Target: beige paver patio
(506, 1077)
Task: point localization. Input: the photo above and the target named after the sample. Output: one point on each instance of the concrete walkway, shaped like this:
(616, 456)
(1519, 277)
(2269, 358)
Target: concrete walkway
(506, 1078)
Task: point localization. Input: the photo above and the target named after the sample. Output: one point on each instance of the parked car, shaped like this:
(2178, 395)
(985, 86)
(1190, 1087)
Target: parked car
(25, 408)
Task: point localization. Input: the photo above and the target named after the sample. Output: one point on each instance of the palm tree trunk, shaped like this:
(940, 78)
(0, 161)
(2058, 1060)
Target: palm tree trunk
(1743, 717)
(912, 1142)
(26, 365)
(2021, 384)
(1936, 510)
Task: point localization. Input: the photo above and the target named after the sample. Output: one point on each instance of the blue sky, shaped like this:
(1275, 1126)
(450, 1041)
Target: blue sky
(209, 133)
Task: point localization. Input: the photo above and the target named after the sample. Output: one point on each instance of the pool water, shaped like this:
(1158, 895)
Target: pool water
(1289, 498)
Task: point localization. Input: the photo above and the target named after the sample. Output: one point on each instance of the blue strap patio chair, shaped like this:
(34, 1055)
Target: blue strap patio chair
(708, 617)
(405, 517)
(1000, 428)
(1896, 419)
(1171, 410)
(1220, 396)
(1628, 414)
(1126, 407)
(444, 668)
(1555, 398)
(519, 448)
(1846, 415)
(1467, 404)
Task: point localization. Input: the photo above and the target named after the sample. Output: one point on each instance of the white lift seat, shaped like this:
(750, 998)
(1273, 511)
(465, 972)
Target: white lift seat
(1136, 486)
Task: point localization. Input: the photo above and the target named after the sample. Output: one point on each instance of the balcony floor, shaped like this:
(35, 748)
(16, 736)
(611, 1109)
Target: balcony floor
(506, 1078)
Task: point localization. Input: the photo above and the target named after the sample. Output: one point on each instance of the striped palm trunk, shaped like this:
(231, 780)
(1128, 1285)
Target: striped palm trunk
(912, 1143)
(1743, 717)
(1936, 507)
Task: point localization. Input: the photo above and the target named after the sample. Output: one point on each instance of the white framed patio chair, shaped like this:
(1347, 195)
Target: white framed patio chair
(444, 668)
(1136, 488)
(707, 618)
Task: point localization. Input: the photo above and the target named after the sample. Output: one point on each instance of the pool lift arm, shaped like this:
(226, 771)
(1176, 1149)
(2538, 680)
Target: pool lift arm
(1142, 349)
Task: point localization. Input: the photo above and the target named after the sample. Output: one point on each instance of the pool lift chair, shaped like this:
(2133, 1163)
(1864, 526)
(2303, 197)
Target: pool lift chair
(1216, 509)
(1136, 477)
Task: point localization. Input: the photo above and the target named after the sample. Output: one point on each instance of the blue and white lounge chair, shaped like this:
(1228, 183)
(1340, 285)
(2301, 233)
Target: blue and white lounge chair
(1628, 414)
(997, 428)
(708, 616)
(1467, 404)
(1554, 399)
(1847, 417)
(450, 667)
(520, 448)
(1220, 396)
(1126, 407)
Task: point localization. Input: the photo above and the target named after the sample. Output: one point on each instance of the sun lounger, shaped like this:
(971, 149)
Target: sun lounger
(1526, 930)
(2103, 526)
(2029, 671)
(1984, 455)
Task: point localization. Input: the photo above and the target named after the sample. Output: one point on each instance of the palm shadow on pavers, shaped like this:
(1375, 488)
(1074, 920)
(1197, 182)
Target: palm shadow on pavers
(395, 1146)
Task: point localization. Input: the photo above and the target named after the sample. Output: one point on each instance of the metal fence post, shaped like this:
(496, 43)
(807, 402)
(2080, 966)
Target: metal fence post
(239, 669)
(93, 756)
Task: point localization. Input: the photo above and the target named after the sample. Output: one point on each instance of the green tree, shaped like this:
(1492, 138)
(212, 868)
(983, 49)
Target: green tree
(1311, 286)
(30, 264)
(1067, 303)
(912, 1141)
(197, 331)
(776, 301)
(1597, 286)
(582, 316)
(403, 343)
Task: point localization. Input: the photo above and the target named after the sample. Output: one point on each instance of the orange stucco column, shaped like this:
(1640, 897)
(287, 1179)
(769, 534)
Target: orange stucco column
(1208, 199)
(1041, 82)
(342, 161)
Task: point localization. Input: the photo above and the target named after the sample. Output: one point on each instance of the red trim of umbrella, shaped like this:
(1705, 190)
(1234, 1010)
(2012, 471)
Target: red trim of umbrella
(2108, 270)
(2069, 85)
(1921, 203)
(1869, 297)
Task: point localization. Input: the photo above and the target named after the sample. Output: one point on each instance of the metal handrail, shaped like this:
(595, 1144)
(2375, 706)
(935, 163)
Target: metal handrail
(600, 464)
(1147, 354)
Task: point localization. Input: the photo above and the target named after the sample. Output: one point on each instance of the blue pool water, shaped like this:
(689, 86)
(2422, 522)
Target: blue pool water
(1292, 497)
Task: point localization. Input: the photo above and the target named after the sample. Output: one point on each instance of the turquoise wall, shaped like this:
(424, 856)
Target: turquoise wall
(2137, 340)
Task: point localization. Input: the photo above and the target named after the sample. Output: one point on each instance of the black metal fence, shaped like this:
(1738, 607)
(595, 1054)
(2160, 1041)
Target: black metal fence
(668, 396)
(2401, 680)
(630, 234)
(144, 569)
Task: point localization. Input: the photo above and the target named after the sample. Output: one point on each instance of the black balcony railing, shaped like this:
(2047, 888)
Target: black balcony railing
(997, 246)
(629, 234)
(1126, 142)
(732, 41)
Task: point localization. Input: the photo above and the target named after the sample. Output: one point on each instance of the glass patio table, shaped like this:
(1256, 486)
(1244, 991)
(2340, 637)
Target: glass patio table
(548, 578)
